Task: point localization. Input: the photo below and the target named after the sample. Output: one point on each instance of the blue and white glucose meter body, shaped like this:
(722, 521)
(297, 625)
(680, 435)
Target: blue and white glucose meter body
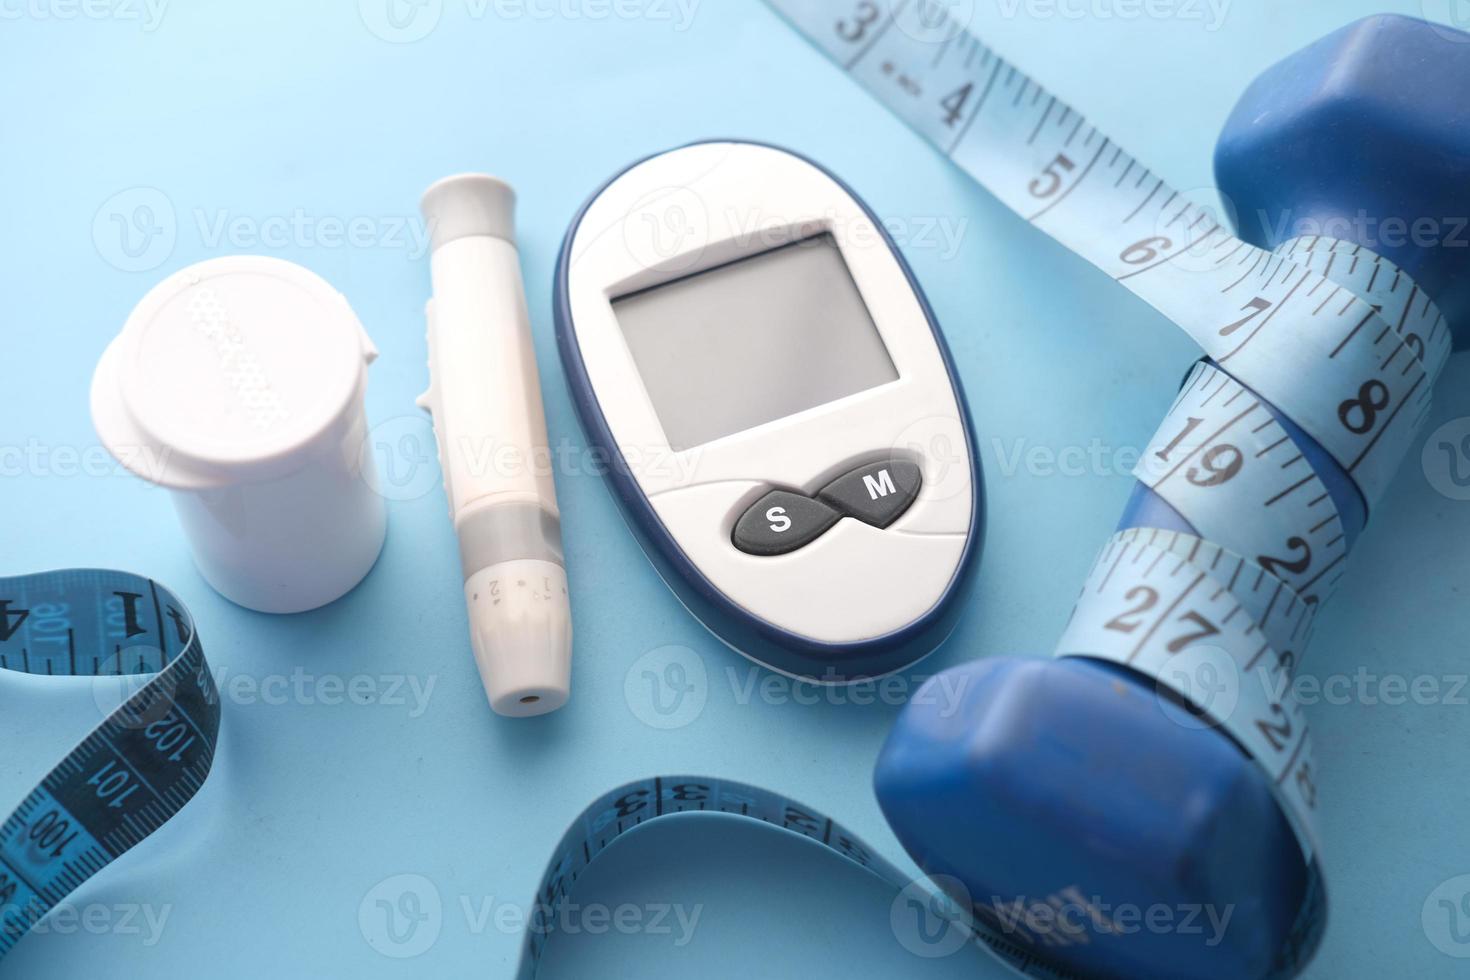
(787, 435)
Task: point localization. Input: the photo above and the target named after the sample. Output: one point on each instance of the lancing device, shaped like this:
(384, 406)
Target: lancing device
(485, 397)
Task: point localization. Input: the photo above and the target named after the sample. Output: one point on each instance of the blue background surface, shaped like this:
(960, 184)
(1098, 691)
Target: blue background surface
(264, 114)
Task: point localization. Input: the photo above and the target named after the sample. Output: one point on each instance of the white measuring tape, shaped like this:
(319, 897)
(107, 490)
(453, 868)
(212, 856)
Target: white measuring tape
(1207, 624)
(1321, 333)
(1219, 433)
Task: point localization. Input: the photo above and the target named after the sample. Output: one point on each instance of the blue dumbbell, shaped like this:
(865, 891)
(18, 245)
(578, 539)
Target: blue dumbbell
(1066, 784)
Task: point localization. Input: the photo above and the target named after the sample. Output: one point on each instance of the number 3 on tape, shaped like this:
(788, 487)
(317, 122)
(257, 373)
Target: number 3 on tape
(135, 770)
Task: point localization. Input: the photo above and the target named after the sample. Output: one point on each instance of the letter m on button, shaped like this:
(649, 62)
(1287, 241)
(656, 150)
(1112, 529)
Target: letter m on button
(875, 494)
(879, 484)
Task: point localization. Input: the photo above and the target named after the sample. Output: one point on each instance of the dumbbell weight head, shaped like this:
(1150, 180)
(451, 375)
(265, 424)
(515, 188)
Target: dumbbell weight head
(1090, 823)
(1365, 137)
(1073, 803)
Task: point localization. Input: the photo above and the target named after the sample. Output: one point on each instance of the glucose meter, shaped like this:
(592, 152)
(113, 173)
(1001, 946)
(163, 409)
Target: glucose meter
(786, 433)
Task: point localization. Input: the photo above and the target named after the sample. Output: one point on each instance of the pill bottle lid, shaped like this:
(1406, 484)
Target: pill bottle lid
(231, 370)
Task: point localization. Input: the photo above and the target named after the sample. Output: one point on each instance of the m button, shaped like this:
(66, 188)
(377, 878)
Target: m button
(877, 493)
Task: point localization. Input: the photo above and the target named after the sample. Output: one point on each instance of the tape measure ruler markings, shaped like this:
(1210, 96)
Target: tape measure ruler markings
(1265, 613)
(634, 804)
(1140, 581)
(1235, 670)
(1264, 317)
(1333, 337)
(135, 770)
(1325, 336)
(1219, 432)
(1041, 158)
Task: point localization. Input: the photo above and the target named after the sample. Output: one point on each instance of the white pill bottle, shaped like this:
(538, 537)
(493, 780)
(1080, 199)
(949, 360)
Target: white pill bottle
(239, 385)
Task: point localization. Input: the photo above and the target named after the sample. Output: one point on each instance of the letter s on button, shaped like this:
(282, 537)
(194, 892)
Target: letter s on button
(781, 522)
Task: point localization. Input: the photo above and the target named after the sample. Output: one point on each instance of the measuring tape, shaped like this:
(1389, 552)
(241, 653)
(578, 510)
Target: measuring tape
(1306, 343)
(1219, 433)
(1321, 337)
(637, 803)
(136, 769)
(151, 755)
(1219, 631)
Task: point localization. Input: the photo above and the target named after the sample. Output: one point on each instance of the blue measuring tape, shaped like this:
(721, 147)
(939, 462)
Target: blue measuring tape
(136, 769)
(638, 803)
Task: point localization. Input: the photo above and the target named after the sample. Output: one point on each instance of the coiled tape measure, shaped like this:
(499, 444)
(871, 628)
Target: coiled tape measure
(638, 803)
(1322, 356)
(1321, 359)
(151, 755)
(135, 770)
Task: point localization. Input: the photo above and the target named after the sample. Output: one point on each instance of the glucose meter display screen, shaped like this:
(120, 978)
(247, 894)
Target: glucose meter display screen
(756, 340)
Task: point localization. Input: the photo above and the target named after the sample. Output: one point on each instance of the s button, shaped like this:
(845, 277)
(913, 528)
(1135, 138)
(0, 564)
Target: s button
(781, 522)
